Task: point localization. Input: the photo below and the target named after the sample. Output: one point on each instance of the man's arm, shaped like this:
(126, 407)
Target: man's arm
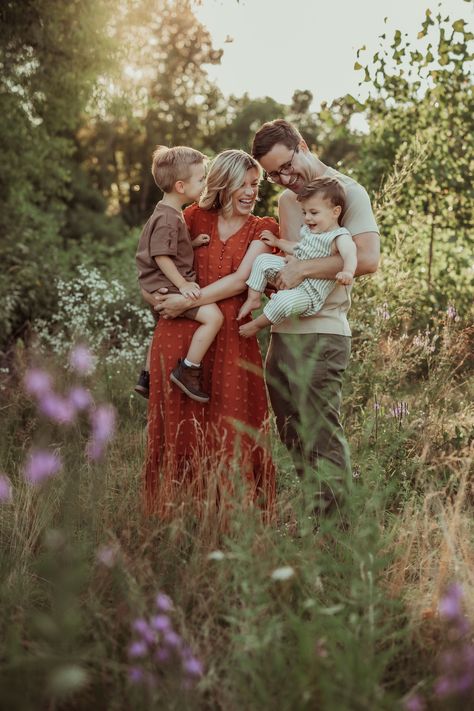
(368, 255)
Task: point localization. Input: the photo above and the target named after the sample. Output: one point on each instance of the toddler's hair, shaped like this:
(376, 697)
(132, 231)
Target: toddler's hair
(172, 164)
(330, 188)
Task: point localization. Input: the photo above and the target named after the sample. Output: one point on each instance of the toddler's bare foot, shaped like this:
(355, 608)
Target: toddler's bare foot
(344, 278)
(251, 303)
(249, 329)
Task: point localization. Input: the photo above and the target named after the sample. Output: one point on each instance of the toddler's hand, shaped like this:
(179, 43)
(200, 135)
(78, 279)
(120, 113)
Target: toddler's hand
(344, 278)
(200, 240)
(269, 238)
(190, 290)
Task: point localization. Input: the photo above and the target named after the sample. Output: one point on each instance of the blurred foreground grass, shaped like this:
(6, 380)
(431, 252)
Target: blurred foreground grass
(345, 617)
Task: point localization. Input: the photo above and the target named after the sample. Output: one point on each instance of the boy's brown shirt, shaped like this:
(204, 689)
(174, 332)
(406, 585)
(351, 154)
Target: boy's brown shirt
(165, 234)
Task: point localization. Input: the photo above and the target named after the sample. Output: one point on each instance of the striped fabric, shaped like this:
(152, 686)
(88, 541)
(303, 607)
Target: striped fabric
(307, 298)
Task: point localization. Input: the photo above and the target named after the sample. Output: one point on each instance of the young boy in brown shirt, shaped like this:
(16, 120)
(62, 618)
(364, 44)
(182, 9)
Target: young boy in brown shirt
(165, 259)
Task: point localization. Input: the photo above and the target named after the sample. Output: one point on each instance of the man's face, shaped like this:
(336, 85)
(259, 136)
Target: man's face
(290, 161)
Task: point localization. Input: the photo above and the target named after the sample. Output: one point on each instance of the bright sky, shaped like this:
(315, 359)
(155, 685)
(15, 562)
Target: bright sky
(282, 45)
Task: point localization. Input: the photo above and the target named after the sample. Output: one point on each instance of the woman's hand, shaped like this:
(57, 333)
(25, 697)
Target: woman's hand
(171, 305)
(269, 238)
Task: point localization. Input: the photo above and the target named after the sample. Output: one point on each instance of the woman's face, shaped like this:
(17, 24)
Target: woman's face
(243, 199)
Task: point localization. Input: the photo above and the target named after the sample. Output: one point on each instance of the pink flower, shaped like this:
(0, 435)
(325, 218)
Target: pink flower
(37, 382)
(6, 493)
(41, 465)
(82, 360)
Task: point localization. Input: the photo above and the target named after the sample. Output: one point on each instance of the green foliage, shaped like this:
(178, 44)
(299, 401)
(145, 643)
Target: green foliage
(50, 55)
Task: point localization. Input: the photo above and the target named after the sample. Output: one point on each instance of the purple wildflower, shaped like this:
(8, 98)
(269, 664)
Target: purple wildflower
(443, 686)
(451, 312)
(144, 630)
(56, 408)
(103, 426)
(414, 703)
(172, 639)
(37, 382)
(162, 655)
(41, 465)
(82, 360)
(193, 667)
(160, 623)
(383, 311)
(399, 409)
(450, 604)
(136, 675)
(79, 398)
(107, 555)
(137, 649)
(163, 602)
(6, 493)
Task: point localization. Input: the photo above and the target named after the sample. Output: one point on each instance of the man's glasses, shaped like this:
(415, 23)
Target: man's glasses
(286, 169)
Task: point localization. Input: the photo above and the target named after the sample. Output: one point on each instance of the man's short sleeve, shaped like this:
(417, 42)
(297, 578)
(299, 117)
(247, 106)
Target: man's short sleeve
(164, 239)
(359, 217)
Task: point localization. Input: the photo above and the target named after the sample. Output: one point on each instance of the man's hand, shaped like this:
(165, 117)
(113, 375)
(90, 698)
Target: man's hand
(344, 278)
(269, 238)
(200, 240)
(291, 275)
(190, 290)
(170, 305)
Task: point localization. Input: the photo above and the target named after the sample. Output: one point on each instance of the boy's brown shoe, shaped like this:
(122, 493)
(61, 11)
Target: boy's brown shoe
(188, 379)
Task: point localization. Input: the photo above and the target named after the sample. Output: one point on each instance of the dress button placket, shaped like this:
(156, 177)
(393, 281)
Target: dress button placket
(220, 261)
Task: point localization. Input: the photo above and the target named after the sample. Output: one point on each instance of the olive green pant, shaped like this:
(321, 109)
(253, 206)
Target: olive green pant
(304, 379)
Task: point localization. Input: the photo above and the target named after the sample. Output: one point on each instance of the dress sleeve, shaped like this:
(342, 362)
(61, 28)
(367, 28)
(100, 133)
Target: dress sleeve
(267, 223)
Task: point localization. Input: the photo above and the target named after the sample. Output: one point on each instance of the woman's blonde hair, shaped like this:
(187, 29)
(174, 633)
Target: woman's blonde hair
(226, 175)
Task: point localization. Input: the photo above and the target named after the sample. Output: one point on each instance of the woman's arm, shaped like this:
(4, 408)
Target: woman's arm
(173, 305)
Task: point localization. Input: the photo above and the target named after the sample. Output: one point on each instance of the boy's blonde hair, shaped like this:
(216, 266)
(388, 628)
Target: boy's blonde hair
(330, 188)
(172, 164)
(225, 176)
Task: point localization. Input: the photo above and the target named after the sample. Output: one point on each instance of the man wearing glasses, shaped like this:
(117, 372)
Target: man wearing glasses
(308, 356)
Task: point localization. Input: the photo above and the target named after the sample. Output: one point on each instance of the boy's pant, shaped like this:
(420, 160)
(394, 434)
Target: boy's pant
(304, 379)
(285, 303)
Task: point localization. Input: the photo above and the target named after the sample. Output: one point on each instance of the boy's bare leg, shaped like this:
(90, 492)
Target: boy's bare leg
(252, 302)
(253, 327)
(148, 356)
(211, 319)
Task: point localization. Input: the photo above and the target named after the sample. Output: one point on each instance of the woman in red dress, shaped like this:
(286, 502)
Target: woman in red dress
(206, 451)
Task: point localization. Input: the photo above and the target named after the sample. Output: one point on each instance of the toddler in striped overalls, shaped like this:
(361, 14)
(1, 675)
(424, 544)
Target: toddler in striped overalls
(322, 201)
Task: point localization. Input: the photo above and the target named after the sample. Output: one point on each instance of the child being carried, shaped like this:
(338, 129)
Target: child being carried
(322, 201)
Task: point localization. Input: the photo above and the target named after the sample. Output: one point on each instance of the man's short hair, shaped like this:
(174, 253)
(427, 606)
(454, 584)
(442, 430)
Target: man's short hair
(330, 188)
(271, 133)
(172, 164)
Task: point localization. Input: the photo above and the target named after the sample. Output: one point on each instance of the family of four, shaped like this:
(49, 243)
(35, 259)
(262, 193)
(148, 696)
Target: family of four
(203, 271)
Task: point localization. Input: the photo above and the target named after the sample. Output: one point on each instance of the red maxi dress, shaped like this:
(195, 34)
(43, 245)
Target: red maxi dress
(200, 450)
